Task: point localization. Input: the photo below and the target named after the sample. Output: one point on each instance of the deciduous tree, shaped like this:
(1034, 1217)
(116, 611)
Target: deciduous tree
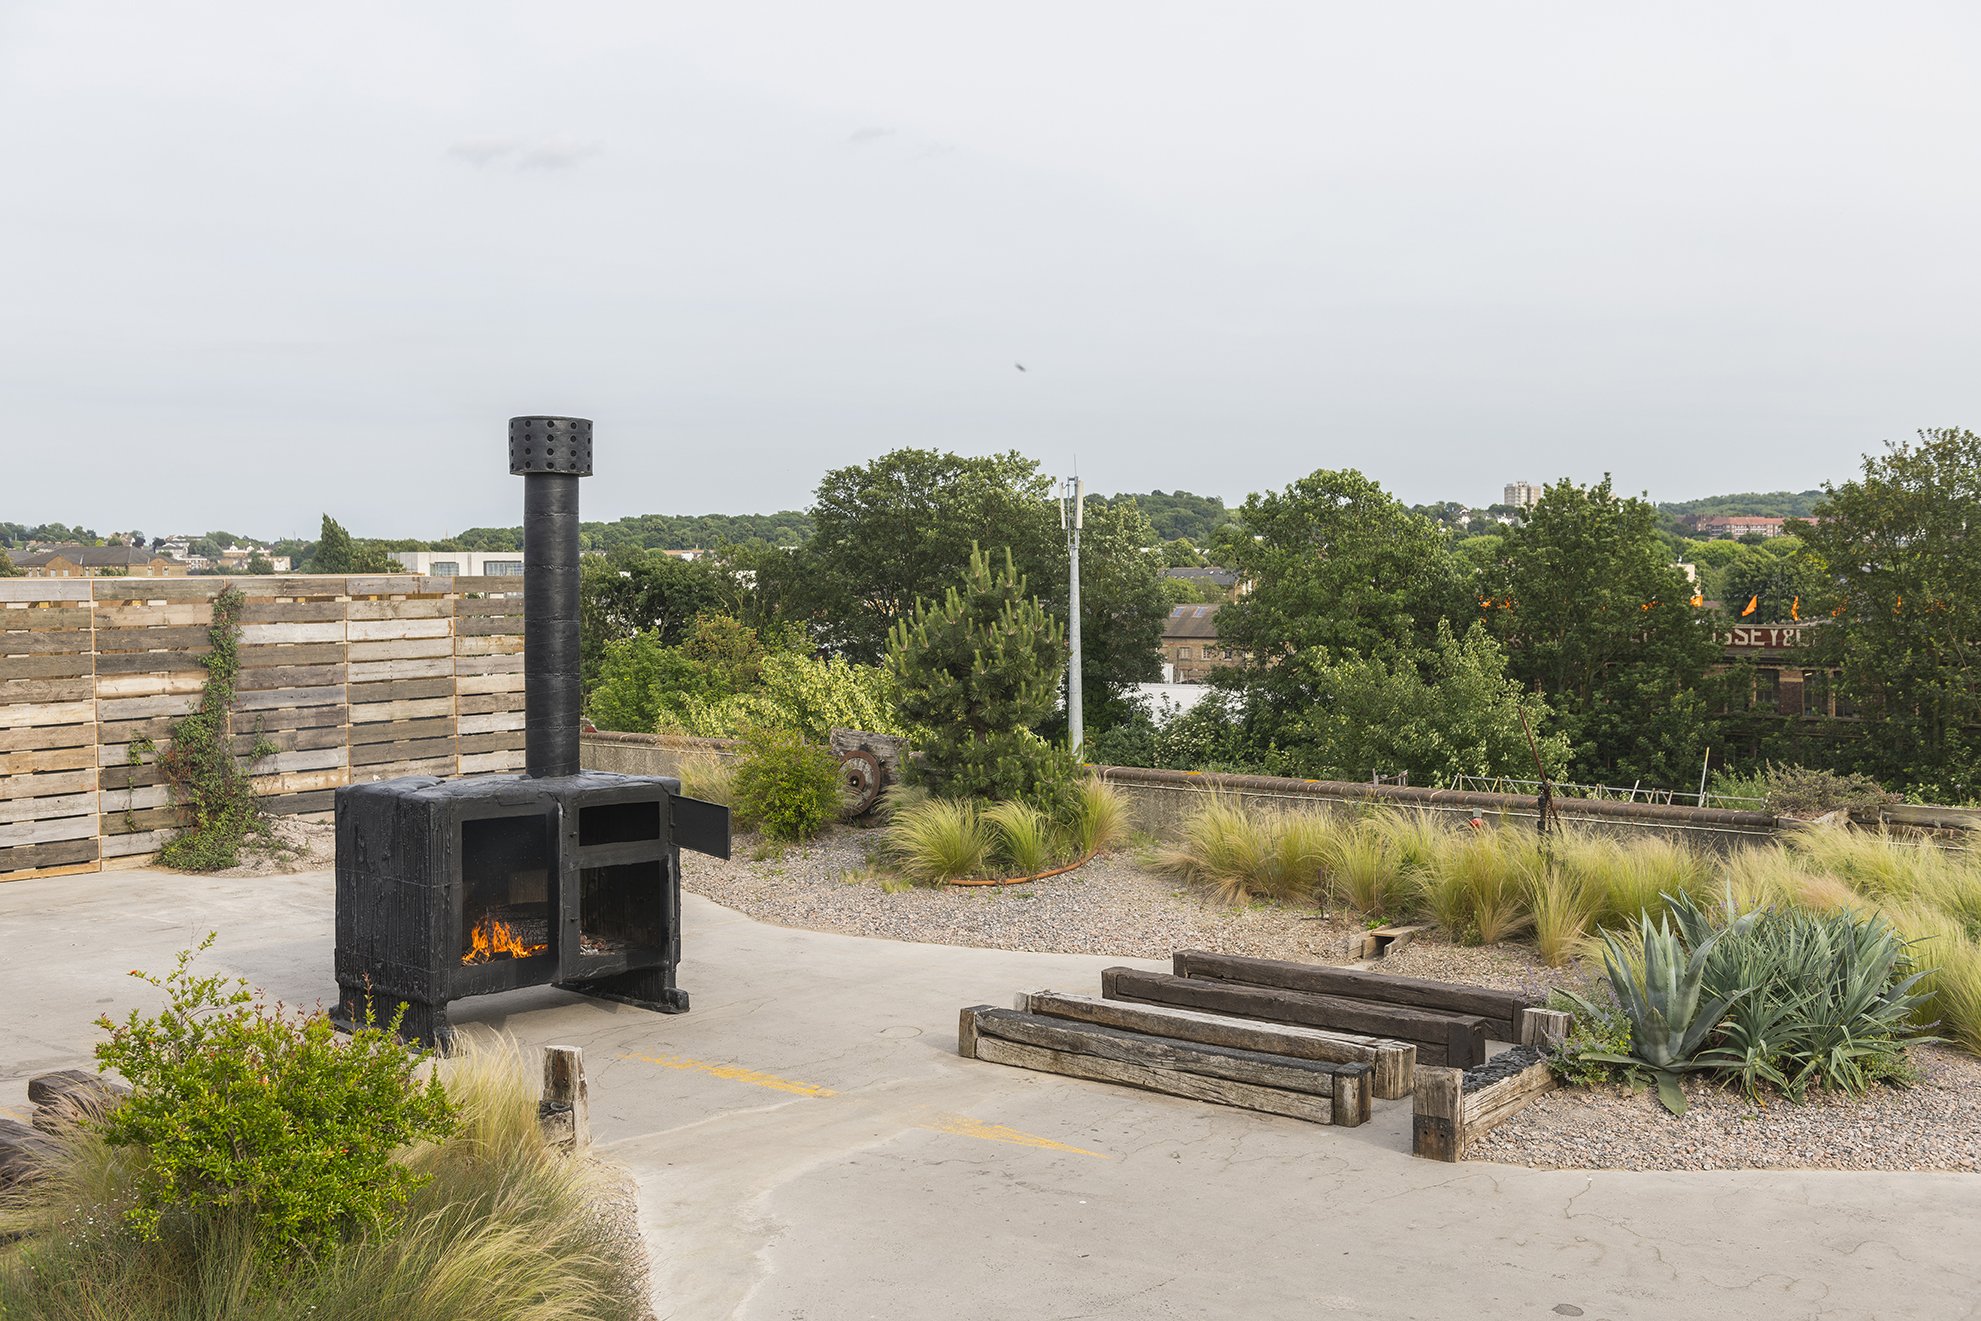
(1903, 543)
(1596, 617)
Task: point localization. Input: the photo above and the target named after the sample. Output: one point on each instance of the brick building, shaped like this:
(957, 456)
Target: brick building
(1190, 649)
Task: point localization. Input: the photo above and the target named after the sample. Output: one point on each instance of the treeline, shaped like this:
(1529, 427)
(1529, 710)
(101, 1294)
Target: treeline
(1748, 504)
(646, 532)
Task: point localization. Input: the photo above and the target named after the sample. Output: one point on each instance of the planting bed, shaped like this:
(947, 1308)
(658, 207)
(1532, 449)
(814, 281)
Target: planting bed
(1935, 1125)
(1112, 905)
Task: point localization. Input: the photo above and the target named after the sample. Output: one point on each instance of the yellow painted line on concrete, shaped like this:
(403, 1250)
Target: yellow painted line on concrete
(734, 1073)
(963, 1126)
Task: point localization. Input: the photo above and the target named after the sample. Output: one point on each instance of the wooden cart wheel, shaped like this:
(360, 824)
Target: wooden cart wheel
(861, 773)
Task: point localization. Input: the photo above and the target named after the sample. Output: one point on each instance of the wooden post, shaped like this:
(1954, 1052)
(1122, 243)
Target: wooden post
(565, 1112)
(1437, 1115)
(966, 1032)
(1546, 1028)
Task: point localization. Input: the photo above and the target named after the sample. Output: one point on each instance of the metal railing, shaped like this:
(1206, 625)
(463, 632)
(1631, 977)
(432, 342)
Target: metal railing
(1636, 793)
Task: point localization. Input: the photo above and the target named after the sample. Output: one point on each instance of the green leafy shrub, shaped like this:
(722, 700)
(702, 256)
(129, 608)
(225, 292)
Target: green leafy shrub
(785, 786)
(498, 1225)
(239, 1106)
(1599, 1033)
(1805, 792)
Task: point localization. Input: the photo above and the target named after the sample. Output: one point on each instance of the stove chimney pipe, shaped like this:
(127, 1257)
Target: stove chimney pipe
(550, 454)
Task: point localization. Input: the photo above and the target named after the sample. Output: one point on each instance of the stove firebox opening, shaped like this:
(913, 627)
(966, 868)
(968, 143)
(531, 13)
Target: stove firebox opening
(506, 891)
(620, 908)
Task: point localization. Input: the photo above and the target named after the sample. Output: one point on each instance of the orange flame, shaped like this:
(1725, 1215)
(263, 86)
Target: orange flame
(492, 937)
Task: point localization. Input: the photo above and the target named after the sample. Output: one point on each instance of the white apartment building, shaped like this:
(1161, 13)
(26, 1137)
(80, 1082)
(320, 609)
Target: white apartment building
(462, 563)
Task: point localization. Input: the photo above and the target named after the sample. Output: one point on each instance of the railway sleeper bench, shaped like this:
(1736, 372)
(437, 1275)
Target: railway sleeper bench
(1319, 1091)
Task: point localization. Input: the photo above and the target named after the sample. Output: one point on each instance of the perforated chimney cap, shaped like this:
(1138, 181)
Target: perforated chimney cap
(550, 444)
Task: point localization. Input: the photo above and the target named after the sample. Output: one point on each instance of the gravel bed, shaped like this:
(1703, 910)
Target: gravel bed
(1113, 905)
(1502, 967)
(1934, 1125)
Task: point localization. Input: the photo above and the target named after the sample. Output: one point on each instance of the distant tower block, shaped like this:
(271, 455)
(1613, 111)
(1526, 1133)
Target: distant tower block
(1521, 495)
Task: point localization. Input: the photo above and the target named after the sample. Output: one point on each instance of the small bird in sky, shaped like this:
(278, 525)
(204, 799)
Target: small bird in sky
(1019, 365)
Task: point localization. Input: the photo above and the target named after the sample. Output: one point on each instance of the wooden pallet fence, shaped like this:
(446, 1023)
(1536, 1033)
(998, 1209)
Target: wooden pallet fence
(1458, 1040)
(1502, 1010)
(50, 803)
(1317, 1091)
(488, 674)
(342, 677)
(1392, 1064)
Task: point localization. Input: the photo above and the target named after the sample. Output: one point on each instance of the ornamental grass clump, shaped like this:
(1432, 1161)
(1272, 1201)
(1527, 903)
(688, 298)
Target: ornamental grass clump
(1364, 872)
(937, 840)
(1478, 883)
(1240, 852)
(1024, 837)
(1100, 816)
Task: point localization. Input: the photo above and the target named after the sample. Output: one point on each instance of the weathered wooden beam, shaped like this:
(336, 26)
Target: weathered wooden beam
(1452, 1108)
(1441, 1038)
(1191, 1086)
(1544, 1027)
(24, 1153)
(565, 1111)
(1435, 1114)
(1503, 1008)
(1313, 1077)
(1391, 1063)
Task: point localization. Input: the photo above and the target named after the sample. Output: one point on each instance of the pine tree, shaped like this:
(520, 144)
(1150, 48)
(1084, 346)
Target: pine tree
(977, 674)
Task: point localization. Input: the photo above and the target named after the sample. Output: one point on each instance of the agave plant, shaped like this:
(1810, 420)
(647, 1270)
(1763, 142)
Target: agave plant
(1664, 995)
(1833, 993)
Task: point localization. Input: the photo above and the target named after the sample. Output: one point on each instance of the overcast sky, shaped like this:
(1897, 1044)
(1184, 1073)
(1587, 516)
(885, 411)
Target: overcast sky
(262, 260)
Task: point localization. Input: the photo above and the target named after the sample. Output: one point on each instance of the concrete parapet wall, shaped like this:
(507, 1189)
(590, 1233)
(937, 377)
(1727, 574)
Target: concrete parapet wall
(1160, 800)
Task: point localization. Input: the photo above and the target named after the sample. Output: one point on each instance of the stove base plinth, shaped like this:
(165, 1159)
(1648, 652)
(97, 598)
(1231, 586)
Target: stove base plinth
(424, 1024)
(643, 988)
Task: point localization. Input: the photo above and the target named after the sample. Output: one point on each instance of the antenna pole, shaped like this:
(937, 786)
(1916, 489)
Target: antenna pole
(1075, 717)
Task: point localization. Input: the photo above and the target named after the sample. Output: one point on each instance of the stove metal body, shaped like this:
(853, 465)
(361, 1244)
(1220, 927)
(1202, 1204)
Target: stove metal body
(451, 888)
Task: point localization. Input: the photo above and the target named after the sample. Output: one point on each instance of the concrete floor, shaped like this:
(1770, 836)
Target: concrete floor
(809, 1147)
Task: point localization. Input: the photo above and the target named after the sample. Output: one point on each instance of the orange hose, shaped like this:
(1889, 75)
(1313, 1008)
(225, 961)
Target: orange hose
(1020, 880)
